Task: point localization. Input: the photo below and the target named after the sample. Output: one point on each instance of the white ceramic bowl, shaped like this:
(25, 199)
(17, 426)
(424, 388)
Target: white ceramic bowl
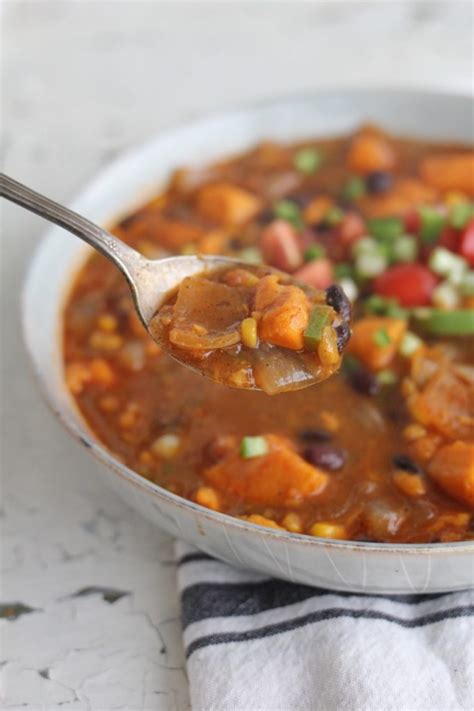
(343, 565)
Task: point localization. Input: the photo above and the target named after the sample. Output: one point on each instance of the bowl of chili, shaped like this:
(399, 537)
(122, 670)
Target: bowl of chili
(362, 483)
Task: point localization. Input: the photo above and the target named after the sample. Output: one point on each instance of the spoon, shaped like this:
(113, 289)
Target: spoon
(152, 281)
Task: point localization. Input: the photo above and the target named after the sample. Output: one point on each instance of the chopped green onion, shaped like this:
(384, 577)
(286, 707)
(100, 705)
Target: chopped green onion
(376, 304)
(289, 211)
(404, 249)
(251, 255)
(385, 229)
(409, 344)
(349, 287)
(308, 160)
(460, 214)
(381, 338)
(432, 222)
(394, 310)
(365, 245)
(251, 447)
(343, 269)
(447, 264)
(315, 251)
(318, 320)
(354, 188)
(445, 296)
(387, 377)
(466, 286)
(334, 216)
(446, 323)
(370, 265)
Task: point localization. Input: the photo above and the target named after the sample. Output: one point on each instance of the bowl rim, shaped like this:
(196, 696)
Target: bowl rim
(98, 450)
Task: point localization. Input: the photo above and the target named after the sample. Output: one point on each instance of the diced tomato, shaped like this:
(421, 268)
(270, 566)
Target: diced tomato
(449, 238)
(466, 243)
(318, 273)
(281, 246)
(410, 284)
(412, 222)
(351, 229)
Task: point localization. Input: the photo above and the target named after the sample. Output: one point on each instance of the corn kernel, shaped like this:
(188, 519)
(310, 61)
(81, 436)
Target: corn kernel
(248, 332)
(107, 323)
(105, 341)
(77, 375)
(262, 521)
(454, 197)
(327, 349)
(409, 484)
(292, 522)
(145, 457)
(328, 530)
(207, 496)
(101, 372)
(408, 387)
(330, 421)
(413, 431)
(166, 446)
(109, 403)
(129, 417)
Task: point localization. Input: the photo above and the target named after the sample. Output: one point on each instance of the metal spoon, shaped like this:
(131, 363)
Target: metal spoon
(150, 281)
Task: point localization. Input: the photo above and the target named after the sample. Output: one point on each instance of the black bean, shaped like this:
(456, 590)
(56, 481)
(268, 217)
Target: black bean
(322, 227)
(301, 199)
(336, 297)
(236, 243)
(343, 334)
(379, 182)
(325, 456)
(315, 435)
(266, 216)
(364, 381)
(403, 461)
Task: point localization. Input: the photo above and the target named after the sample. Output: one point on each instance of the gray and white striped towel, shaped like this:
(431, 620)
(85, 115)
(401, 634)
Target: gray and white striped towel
(258, 644)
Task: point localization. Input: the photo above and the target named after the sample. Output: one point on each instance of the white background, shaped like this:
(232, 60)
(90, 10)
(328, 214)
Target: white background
(81, 81)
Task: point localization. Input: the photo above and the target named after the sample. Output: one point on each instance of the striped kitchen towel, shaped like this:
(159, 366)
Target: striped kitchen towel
(257, 644)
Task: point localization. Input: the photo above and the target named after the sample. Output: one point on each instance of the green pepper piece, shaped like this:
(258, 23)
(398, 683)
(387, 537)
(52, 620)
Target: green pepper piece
(459, 322)
(432, 222)
(308, 160)
(289, 211)
(318, 319)
(385, 229)
(251, 447)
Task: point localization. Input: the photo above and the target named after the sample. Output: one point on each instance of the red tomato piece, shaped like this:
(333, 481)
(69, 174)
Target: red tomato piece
(412, 222)
(281, 246)
(449, 238)
(318, 273)
(466, 243)
(351, 229)
(410, 284)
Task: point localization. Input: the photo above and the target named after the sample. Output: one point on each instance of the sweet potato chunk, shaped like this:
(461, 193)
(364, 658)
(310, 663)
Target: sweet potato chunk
(227, 204)
(452, 468)
(451, 171)
(370, 151)
(406, 194)
(279, 478)
(283, 313)
(446, 403)
(365, 344)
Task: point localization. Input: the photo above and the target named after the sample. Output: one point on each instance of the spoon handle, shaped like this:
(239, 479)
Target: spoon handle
(124, 257)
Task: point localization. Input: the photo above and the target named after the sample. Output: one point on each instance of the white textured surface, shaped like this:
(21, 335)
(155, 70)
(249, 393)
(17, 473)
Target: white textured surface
(81, 82)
